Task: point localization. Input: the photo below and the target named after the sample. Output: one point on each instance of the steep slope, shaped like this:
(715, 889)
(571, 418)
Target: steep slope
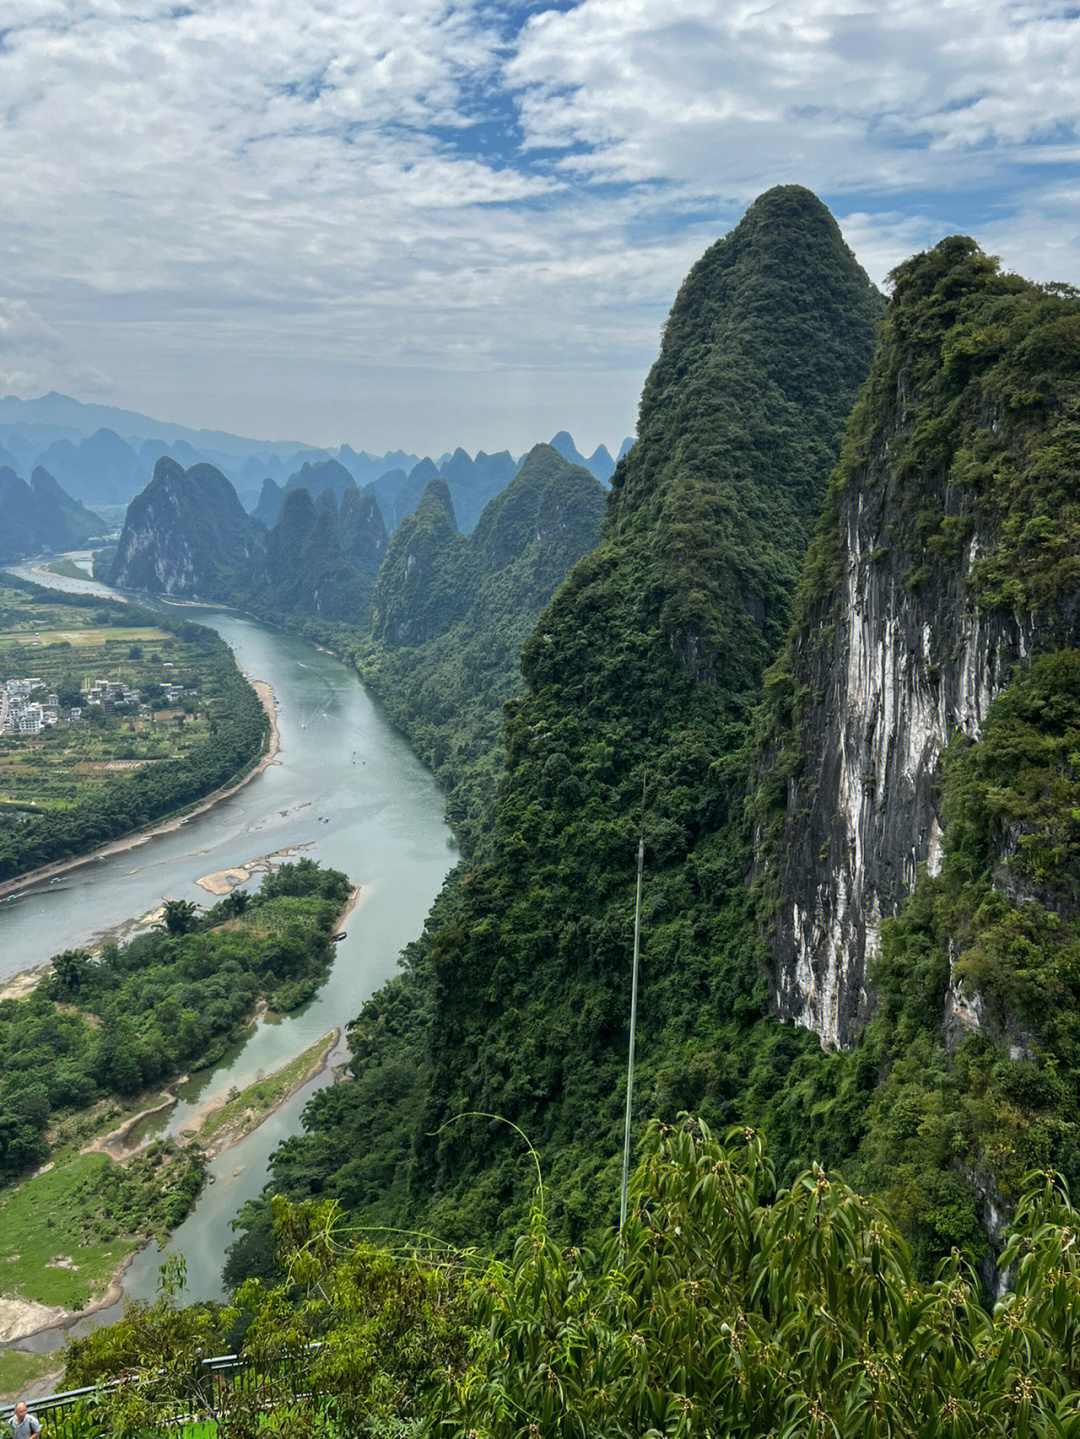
(186, 533)
(301, 570)
(447, 693)
(948, 552)
(645, 666)
(412, 491)
(271, 498)
(363, 533)
(40, 516)
(319, 476)
(922, 739)
(423, 586)
(473, 482)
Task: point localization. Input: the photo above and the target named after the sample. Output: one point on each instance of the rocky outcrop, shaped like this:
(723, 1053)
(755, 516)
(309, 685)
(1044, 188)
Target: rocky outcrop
(185, 534)
(917, 605)
(895, 674)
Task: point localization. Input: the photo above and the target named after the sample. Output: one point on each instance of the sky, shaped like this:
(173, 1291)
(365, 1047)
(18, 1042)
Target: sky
(426, 224)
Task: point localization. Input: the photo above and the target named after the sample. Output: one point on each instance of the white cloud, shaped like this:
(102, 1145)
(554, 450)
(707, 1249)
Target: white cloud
(246, 213)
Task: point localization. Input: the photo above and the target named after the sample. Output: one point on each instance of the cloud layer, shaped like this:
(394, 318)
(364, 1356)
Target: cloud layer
(464, 223)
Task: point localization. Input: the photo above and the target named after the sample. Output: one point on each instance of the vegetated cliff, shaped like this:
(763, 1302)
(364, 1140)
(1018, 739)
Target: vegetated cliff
(40, 516)
(646, 663)
(300, 568)
(917, 824)
(419, 592)
(185, 534)
(321, 476)
(271, 498)
(947, 553)
(363, 533)
(474, 482)
(447, 692)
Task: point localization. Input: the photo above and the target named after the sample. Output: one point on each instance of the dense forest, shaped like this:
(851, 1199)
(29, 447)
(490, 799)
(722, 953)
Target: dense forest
(230, 740)
(650, 669)
(837, 586)
(966, 446)
(452, 613)
(729, 1305)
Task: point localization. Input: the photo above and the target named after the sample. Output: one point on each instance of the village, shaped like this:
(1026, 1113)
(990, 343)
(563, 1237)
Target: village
(27, 706)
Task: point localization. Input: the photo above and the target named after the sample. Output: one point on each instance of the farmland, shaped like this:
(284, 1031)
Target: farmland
(134, 717)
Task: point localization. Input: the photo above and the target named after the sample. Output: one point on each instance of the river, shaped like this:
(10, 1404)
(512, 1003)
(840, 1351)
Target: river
(344, 789)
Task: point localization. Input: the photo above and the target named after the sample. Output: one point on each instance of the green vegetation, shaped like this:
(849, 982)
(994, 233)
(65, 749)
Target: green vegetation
(1000, 923)
(18, 1368)
(451, 615)
(249, 1106)
(137, 1015)
(212, 535)
(315, 562)
(729, 1308)
(645, 665)
(64, 1232)
(66, 568)
(967, 1075)
(40, 516)
(79, 784)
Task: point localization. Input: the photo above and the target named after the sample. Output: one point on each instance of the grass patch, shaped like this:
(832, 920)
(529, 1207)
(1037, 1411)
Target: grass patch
(68, 568)
(247, 1108)
(18, 1368)
(57, 1216)
(80, 639)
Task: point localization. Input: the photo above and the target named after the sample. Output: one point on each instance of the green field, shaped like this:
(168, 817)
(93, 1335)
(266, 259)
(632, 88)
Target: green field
(56, 1219)
(80, 783)
(67, 568)
(53, 641)
(18, 1368)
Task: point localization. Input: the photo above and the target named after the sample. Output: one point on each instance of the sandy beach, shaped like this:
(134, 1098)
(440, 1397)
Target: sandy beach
(143, 836)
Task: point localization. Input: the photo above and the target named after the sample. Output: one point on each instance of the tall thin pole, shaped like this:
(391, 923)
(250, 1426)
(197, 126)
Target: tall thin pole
(633, 1020)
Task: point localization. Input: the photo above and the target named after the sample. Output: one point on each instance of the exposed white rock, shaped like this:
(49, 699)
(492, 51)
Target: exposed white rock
(907, 671)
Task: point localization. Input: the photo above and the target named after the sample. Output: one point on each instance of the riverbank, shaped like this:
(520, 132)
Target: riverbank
(216, 1127)
(143, 836)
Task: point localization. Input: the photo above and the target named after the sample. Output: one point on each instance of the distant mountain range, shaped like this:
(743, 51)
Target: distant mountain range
(103, 455)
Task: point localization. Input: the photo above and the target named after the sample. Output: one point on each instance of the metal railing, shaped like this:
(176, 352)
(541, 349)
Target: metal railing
(80, 1413)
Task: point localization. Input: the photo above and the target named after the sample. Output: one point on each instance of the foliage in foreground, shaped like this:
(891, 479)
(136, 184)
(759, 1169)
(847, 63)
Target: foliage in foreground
(730, 1308)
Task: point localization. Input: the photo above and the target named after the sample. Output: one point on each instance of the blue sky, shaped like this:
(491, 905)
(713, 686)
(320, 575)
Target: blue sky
(432, 223)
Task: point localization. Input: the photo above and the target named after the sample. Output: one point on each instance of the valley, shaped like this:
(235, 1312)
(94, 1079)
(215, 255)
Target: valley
(816, 651)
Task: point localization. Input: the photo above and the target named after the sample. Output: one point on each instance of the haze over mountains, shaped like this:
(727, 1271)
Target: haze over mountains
(40, 517)
(103, 455)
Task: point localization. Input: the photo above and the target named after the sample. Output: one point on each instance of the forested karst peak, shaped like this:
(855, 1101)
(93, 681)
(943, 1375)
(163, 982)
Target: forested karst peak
(647, 660)
(917, 845)
(185, 533)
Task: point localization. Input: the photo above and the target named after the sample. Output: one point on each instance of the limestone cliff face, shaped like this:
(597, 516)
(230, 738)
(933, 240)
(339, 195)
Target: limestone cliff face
(186, 533)
(898, 673)
(917, 606)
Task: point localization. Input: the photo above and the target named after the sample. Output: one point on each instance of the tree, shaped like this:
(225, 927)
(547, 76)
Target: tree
(179, 915)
